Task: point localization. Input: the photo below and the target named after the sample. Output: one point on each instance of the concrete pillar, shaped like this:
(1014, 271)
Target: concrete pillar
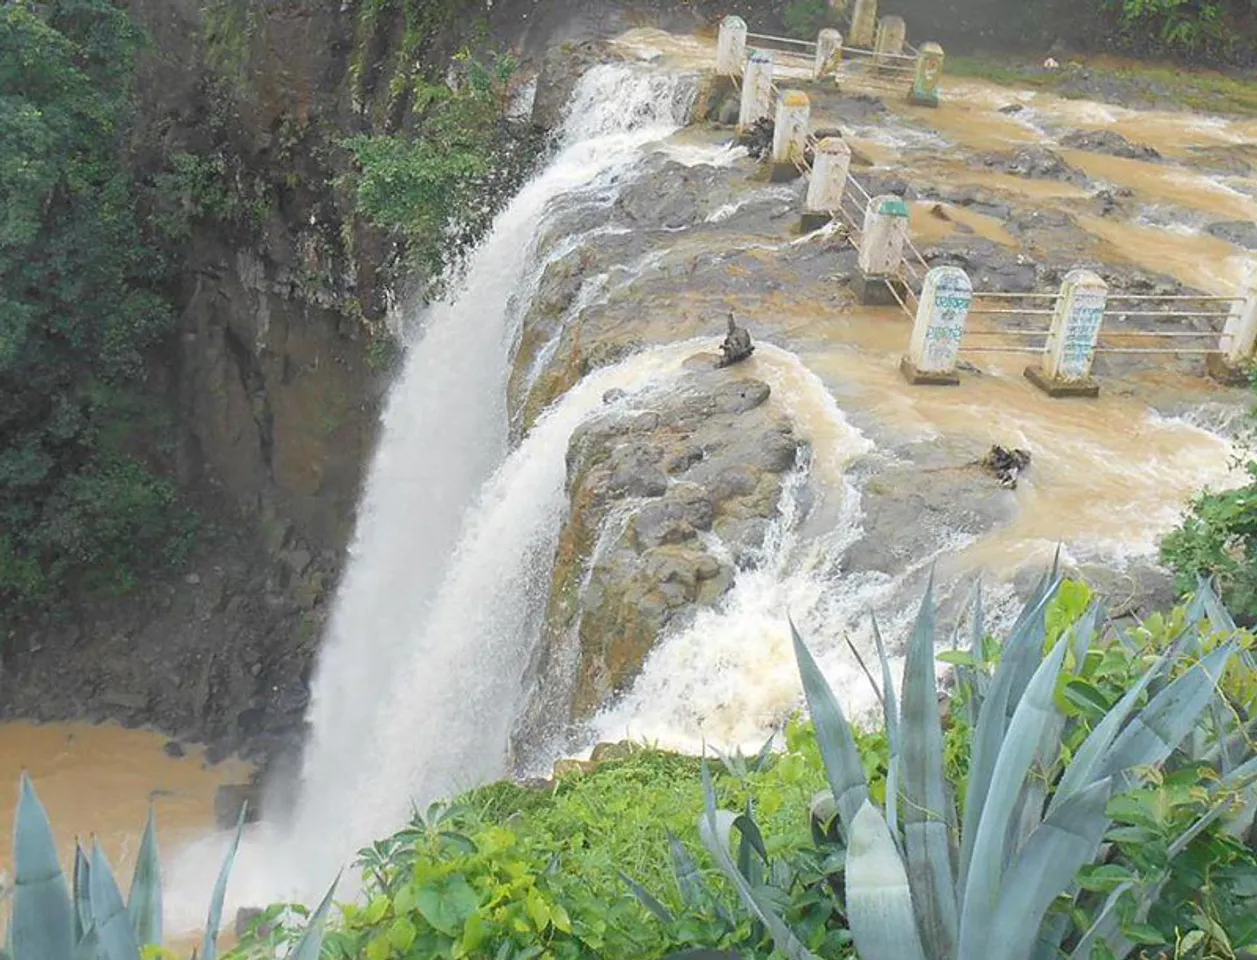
(863, 24)
(929, 69)
(892, 33)
(1076, 321)
(1239, 335)
(731, 47)
(790, 135)
(830, 165)
(828, 54)
(757, 89)
(942, 311)
(881, 248)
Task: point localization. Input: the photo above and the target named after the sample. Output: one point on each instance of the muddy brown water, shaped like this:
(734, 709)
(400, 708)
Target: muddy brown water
(96, 783)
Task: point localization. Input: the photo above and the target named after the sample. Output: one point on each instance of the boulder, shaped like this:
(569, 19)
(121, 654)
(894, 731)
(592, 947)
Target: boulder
(1106, 141)
(670, 492)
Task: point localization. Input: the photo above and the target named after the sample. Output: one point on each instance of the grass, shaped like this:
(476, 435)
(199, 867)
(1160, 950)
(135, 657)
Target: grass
(1205, 91)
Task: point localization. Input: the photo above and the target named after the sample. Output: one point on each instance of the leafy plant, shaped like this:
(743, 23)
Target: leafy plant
(49, 922)
(925, 877)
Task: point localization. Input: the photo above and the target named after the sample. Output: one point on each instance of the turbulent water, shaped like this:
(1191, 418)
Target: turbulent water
(419, 679)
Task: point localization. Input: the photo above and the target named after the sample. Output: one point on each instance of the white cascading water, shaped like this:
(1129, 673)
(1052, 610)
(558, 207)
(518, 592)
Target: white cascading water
(413, 695)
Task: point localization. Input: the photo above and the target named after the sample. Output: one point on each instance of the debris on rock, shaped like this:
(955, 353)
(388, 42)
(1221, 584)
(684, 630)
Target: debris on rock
(737, 344)
(1006, 465)
(758, 139)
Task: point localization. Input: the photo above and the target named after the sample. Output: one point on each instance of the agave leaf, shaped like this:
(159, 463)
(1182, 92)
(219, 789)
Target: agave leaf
(1085, 767)
(311, 943)
(87, 947)
(890, 708)
(689, 880)
(879, 901)
(1045, 868)
(843, 768)
(1024, 643)
(82, 892)
(209, 945)
(982, 888)
(927, 839)
(1160, 727)
(42, 926)
(144, 901)
(752, 841)
(647, 899)
(714, 827)
(1219, 617)
(109, 915)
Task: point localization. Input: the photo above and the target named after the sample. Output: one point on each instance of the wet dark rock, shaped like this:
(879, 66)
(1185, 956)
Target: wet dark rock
(1114, 202)
(706, 456)
(174, 749)
(1037, 163)
(971, 198)
(1108, 142)
(560, 71)
(930, 494)
(1012, 108)
(670, 198)
(990, 265)
(1242, 233)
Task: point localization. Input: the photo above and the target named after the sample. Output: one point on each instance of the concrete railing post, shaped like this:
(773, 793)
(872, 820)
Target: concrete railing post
(892, 34)
(757, 90)
(731, 47)
(828, 54)
(1071, 343)
(946, 297)
(790, 135)
(830, 164)
(925, 81)
(863, 23)
(1239, 335)
(881, 249)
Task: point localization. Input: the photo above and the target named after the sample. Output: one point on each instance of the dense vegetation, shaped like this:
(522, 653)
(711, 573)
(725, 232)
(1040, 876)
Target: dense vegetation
(1207, 31)
(80, 305)
(1104, 788)
(1218, 538)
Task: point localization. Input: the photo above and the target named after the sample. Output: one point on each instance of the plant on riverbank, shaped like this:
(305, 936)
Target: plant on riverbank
(1218, 538)
(1063, 747)
(91, 920)
(439, 186)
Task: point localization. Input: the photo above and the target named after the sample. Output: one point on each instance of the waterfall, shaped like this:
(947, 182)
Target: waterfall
(396, 714)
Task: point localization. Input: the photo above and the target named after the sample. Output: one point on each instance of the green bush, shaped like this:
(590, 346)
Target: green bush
(804, 19)
(80, 308)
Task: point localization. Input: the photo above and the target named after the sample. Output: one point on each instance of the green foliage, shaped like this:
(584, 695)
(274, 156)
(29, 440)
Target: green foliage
(195, 188)
(439, 187)
(51, 922)
(80, 306)
(1185, 25)
(1218, 538)
(804, 19)
(1138, 740)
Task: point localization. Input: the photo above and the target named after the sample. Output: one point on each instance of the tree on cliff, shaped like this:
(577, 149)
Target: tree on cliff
(79, 308)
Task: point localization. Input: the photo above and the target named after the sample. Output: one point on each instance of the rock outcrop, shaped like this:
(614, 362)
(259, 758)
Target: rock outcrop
(670, 493)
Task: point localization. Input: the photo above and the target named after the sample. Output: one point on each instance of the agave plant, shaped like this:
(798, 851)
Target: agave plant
(90, 921)
(926, 881)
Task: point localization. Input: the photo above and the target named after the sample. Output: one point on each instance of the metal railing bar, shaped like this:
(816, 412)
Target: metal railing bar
(1008, 349)
(1155, 350)
(769, 36)
(1177, 296)
(1161, 333)
(1011, 311)
(1169, 313)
